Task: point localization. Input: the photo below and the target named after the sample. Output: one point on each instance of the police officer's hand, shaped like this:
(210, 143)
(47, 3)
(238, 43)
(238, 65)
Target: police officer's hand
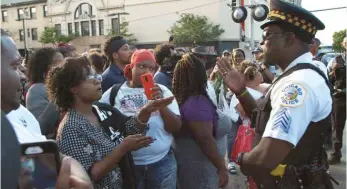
(234, 80)
(223, 178)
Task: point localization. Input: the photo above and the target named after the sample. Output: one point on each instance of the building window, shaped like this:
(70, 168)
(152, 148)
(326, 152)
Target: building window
(115, 25)
(34, 34)
(20, 13)
(85, 28)
(58, 29)
(93, 22)
(84, 11)
(77, 28)
(98, 46)
(28, 32)
(69, 28)
(101, 27)
(4, 16)
(45, 11)
(33, 12)
(21, 35)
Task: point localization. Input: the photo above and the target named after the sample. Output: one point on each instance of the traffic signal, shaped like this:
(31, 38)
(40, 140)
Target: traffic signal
(233, 3)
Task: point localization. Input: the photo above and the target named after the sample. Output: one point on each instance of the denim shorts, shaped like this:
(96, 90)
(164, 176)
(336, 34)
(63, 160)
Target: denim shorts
(158, 175)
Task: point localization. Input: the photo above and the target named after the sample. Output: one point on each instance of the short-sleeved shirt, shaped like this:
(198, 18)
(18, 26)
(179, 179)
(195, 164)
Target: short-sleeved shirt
(235, 101)
(129, 101)
(199, 108)
(112, 75)
(36, 99)
(321, 66)
(194, 168)
(296, 100)
(25, 125)
(89, 144)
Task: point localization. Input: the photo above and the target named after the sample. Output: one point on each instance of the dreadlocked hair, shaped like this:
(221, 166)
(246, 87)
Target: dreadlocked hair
(62, 78)
(189, 78)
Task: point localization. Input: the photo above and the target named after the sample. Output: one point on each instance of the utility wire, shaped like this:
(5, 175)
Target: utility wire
(175, 12)
(144, 18)
(149, 17)
(320, 10)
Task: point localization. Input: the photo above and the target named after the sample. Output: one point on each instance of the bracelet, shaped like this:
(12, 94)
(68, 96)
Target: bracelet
(243, 93)
(138, 120)
(239, 158)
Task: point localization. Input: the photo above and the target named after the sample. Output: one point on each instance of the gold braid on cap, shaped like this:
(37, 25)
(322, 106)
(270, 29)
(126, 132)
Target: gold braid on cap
(294, 20)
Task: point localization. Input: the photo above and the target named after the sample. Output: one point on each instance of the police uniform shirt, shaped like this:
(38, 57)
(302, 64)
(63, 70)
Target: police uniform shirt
(296, 100)
(321, 66)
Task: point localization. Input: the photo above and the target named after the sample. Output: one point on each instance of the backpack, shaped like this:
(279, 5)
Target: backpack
(114, 91)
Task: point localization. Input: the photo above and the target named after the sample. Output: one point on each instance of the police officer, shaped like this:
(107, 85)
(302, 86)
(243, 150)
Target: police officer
(291, 121)
(338, 78)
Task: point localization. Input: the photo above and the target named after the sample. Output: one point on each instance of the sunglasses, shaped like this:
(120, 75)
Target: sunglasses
(94, 77)
(267, 34)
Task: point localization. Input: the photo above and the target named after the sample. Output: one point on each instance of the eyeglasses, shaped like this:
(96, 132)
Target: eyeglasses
(94, 77)
(266, 34)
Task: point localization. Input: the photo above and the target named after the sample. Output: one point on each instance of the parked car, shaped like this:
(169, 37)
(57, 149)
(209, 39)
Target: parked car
(327, 57)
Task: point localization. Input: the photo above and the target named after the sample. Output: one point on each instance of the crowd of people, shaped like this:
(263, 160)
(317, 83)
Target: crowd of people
(94, 105)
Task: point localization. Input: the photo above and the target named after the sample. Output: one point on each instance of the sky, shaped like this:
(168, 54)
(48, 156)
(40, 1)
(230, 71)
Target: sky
(334, 20)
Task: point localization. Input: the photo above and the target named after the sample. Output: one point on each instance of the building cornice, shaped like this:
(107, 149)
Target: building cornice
(59, 14)
(111, 7)
(24, 3)
(147, 2)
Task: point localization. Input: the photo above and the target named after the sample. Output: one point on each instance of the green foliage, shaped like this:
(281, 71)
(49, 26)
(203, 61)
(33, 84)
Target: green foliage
(194, 29)
(337, 40)
(124, 31)
(49, 35)
(66, 38)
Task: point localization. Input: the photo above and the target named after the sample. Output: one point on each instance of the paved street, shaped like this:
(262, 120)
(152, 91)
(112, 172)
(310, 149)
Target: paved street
(337, 171)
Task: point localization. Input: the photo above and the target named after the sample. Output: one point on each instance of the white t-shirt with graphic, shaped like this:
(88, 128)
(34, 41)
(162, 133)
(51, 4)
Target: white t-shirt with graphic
(25, 125)
(129, 101)
(235, 101)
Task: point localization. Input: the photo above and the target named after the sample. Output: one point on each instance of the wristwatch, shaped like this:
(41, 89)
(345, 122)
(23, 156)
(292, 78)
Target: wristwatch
(239, 158)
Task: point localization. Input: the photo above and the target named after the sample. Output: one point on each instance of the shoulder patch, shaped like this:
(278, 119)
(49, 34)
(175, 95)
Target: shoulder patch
(292, 95)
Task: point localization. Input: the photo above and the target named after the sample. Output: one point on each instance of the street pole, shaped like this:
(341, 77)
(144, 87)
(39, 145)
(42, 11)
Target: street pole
(252, 30)
(25, 41)
(118, 15)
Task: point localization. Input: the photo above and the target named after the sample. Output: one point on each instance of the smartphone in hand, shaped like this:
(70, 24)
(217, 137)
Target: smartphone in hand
(40, 164)
(148, 84)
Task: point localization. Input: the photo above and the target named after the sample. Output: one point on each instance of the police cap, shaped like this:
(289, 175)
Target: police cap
(302, 22)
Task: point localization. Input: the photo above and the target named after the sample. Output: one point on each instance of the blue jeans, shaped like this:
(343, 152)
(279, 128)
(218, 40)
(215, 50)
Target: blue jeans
(231, 138)
(158, 175)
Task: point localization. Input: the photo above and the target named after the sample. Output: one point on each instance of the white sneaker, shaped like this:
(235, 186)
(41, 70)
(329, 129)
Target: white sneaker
(232, 168)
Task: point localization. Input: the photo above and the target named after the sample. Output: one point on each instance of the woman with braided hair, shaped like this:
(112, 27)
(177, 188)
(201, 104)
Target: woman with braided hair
(199, 162)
